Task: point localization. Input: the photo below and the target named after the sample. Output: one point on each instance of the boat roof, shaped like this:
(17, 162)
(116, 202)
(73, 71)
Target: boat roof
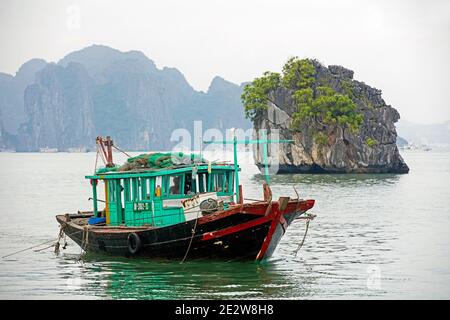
(155, 171)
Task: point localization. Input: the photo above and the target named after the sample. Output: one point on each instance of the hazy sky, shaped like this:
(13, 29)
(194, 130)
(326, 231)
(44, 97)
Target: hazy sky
(400, 47)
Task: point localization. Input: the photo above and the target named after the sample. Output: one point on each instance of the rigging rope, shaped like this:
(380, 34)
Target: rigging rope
(96, 159)
(121, 151)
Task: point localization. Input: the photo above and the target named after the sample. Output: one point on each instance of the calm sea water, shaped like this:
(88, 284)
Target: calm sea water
(375, 236)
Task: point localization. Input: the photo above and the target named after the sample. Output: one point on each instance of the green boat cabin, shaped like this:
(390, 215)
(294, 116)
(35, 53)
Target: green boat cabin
(160, 197)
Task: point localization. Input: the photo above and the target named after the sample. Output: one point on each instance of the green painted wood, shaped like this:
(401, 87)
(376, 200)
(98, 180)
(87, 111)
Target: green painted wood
(152, 188)
(129, 214)
(113, 217)
(236, 169)
(142, 213)
(157, 206)
(94, 197)
(169, 216)
(119, 209)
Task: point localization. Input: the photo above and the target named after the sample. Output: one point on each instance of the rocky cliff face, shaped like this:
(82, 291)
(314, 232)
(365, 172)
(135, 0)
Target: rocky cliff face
(12, 94)
(102, 91)
(59, 109)
(372, 149)
(3, 142)
(8, 141)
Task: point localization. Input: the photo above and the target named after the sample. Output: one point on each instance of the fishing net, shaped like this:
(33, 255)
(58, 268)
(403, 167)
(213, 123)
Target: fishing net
(160, 160)
(107, 169)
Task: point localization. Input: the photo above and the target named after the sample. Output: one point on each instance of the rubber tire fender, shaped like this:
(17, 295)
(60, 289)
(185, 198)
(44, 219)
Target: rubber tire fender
(134, 243)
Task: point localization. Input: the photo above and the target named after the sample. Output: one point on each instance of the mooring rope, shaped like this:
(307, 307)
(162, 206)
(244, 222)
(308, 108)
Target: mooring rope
(192, 238)
(60, 234)
(298, 198)
(29, 248)
(303, 240)
(39, 250)
(35, 246)
(85, 238)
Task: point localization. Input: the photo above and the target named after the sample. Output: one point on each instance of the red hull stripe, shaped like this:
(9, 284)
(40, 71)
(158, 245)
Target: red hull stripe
(230, 230)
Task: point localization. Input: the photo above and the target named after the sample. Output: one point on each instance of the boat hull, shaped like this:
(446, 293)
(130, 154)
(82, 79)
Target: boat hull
(243, 232)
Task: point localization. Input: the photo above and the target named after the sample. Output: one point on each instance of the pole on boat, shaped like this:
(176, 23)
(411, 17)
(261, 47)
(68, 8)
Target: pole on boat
(265, 142)
(235, 142)
(106, 150)
(236, 170)
(265, 156)
(94, 196)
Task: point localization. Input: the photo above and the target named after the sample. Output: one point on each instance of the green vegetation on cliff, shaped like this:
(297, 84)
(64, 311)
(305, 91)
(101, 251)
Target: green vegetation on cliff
(371, 143)
(317, 102)
(256, 95)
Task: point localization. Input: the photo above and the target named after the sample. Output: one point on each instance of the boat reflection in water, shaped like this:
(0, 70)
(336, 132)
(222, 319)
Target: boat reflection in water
(140, 278)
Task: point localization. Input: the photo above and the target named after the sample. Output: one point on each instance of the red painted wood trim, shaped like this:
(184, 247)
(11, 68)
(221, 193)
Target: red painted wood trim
(273, 226)
(279, 218)
(234, 229)
(219, 215)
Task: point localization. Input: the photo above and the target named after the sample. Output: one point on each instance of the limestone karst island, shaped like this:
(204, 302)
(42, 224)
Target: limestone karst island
(338, 124)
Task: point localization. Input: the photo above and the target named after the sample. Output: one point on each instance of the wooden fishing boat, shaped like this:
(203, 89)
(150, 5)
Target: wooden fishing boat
(179, 206)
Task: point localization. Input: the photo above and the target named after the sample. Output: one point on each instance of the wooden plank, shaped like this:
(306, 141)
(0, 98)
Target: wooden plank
(283, 202)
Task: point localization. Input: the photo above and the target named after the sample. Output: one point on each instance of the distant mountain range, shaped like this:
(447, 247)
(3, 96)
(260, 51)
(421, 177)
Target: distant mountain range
(102, 91)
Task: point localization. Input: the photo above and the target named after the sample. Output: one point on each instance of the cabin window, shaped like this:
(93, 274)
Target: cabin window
(202, 182)
(135, 189)
(127, 194)
(219, 182)
(112, 190)
(115, 189)
(145, 189)
(158, 186)
(189, 184)
(174, 185)
(230, 182)
(121, 186)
